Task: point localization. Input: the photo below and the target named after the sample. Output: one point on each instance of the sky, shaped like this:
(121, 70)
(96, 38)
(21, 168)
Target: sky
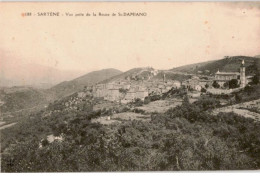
(171, 35)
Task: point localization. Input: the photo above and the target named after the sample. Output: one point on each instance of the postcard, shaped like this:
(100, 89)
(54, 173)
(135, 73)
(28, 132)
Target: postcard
(129, 86)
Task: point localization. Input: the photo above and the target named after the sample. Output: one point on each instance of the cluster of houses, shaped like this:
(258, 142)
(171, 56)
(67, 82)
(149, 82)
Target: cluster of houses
(125, 90)
(197, 83)
(220, 78)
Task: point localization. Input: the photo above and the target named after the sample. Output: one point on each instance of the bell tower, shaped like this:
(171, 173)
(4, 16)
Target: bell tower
(242, 74)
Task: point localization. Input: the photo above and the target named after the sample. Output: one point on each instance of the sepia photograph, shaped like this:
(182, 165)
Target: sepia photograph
(129, 86)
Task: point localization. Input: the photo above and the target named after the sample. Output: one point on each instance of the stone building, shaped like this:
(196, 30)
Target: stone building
(222, 77)
(142, 93)
(130, 95)
(113, 94)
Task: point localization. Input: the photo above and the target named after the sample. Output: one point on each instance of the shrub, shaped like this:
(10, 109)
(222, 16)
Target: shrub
(255, 79)
(207, 103)
(238, 98)
(147, 100)
(233, 84)
(215, 84)
(203, 90)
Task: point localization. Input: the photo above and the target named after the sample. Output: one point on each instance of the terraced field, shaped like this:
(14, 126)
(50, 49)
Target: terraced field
(120, 117)
(160, 106)
(250, 109)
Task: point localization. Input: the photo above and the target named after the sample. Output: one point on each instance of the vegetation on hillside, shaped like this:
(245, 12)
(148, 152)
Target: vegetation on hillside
(187, 137)
(130, 73)
(251, 92)
(22, 98)
(184, 138)
(227, 64)
(69, 87)
(172, 76)
(19, 98)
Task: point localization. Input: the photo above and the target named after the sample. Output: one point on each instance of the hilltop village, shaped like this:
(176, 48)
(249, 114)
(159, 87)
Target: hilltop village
(143, 84)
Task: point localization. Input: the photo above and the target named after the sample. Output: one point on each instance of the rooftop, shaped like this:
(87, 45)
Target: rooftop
(227, 73)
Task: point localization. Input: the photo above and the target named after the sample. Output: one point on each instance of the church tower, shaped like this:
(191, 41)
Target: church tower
(242, 74)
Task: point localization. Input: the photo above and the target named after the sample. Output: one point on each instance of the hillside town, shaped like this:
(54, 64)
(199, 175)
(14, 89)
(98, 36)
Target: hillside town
(141, 101)
(125, 90)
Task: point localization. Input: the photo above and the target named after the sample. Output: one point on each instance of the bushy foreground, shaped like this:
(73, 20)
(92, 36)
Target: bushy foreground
(183, 138)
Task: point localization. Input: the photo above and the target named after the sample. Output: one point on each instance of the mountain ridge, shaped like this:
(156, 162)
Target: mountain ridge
(22, 97)
(77, 84)
(231, 64)
(104, 76)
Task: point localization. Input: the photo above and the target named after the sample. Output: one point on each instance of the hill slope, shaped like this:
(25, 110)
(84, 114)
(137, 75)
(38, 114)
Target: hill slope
(18, 98)
(146, 73)
(191, 68)
(230, 64)
(130, 73)
(257, 56)
(68, 87)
